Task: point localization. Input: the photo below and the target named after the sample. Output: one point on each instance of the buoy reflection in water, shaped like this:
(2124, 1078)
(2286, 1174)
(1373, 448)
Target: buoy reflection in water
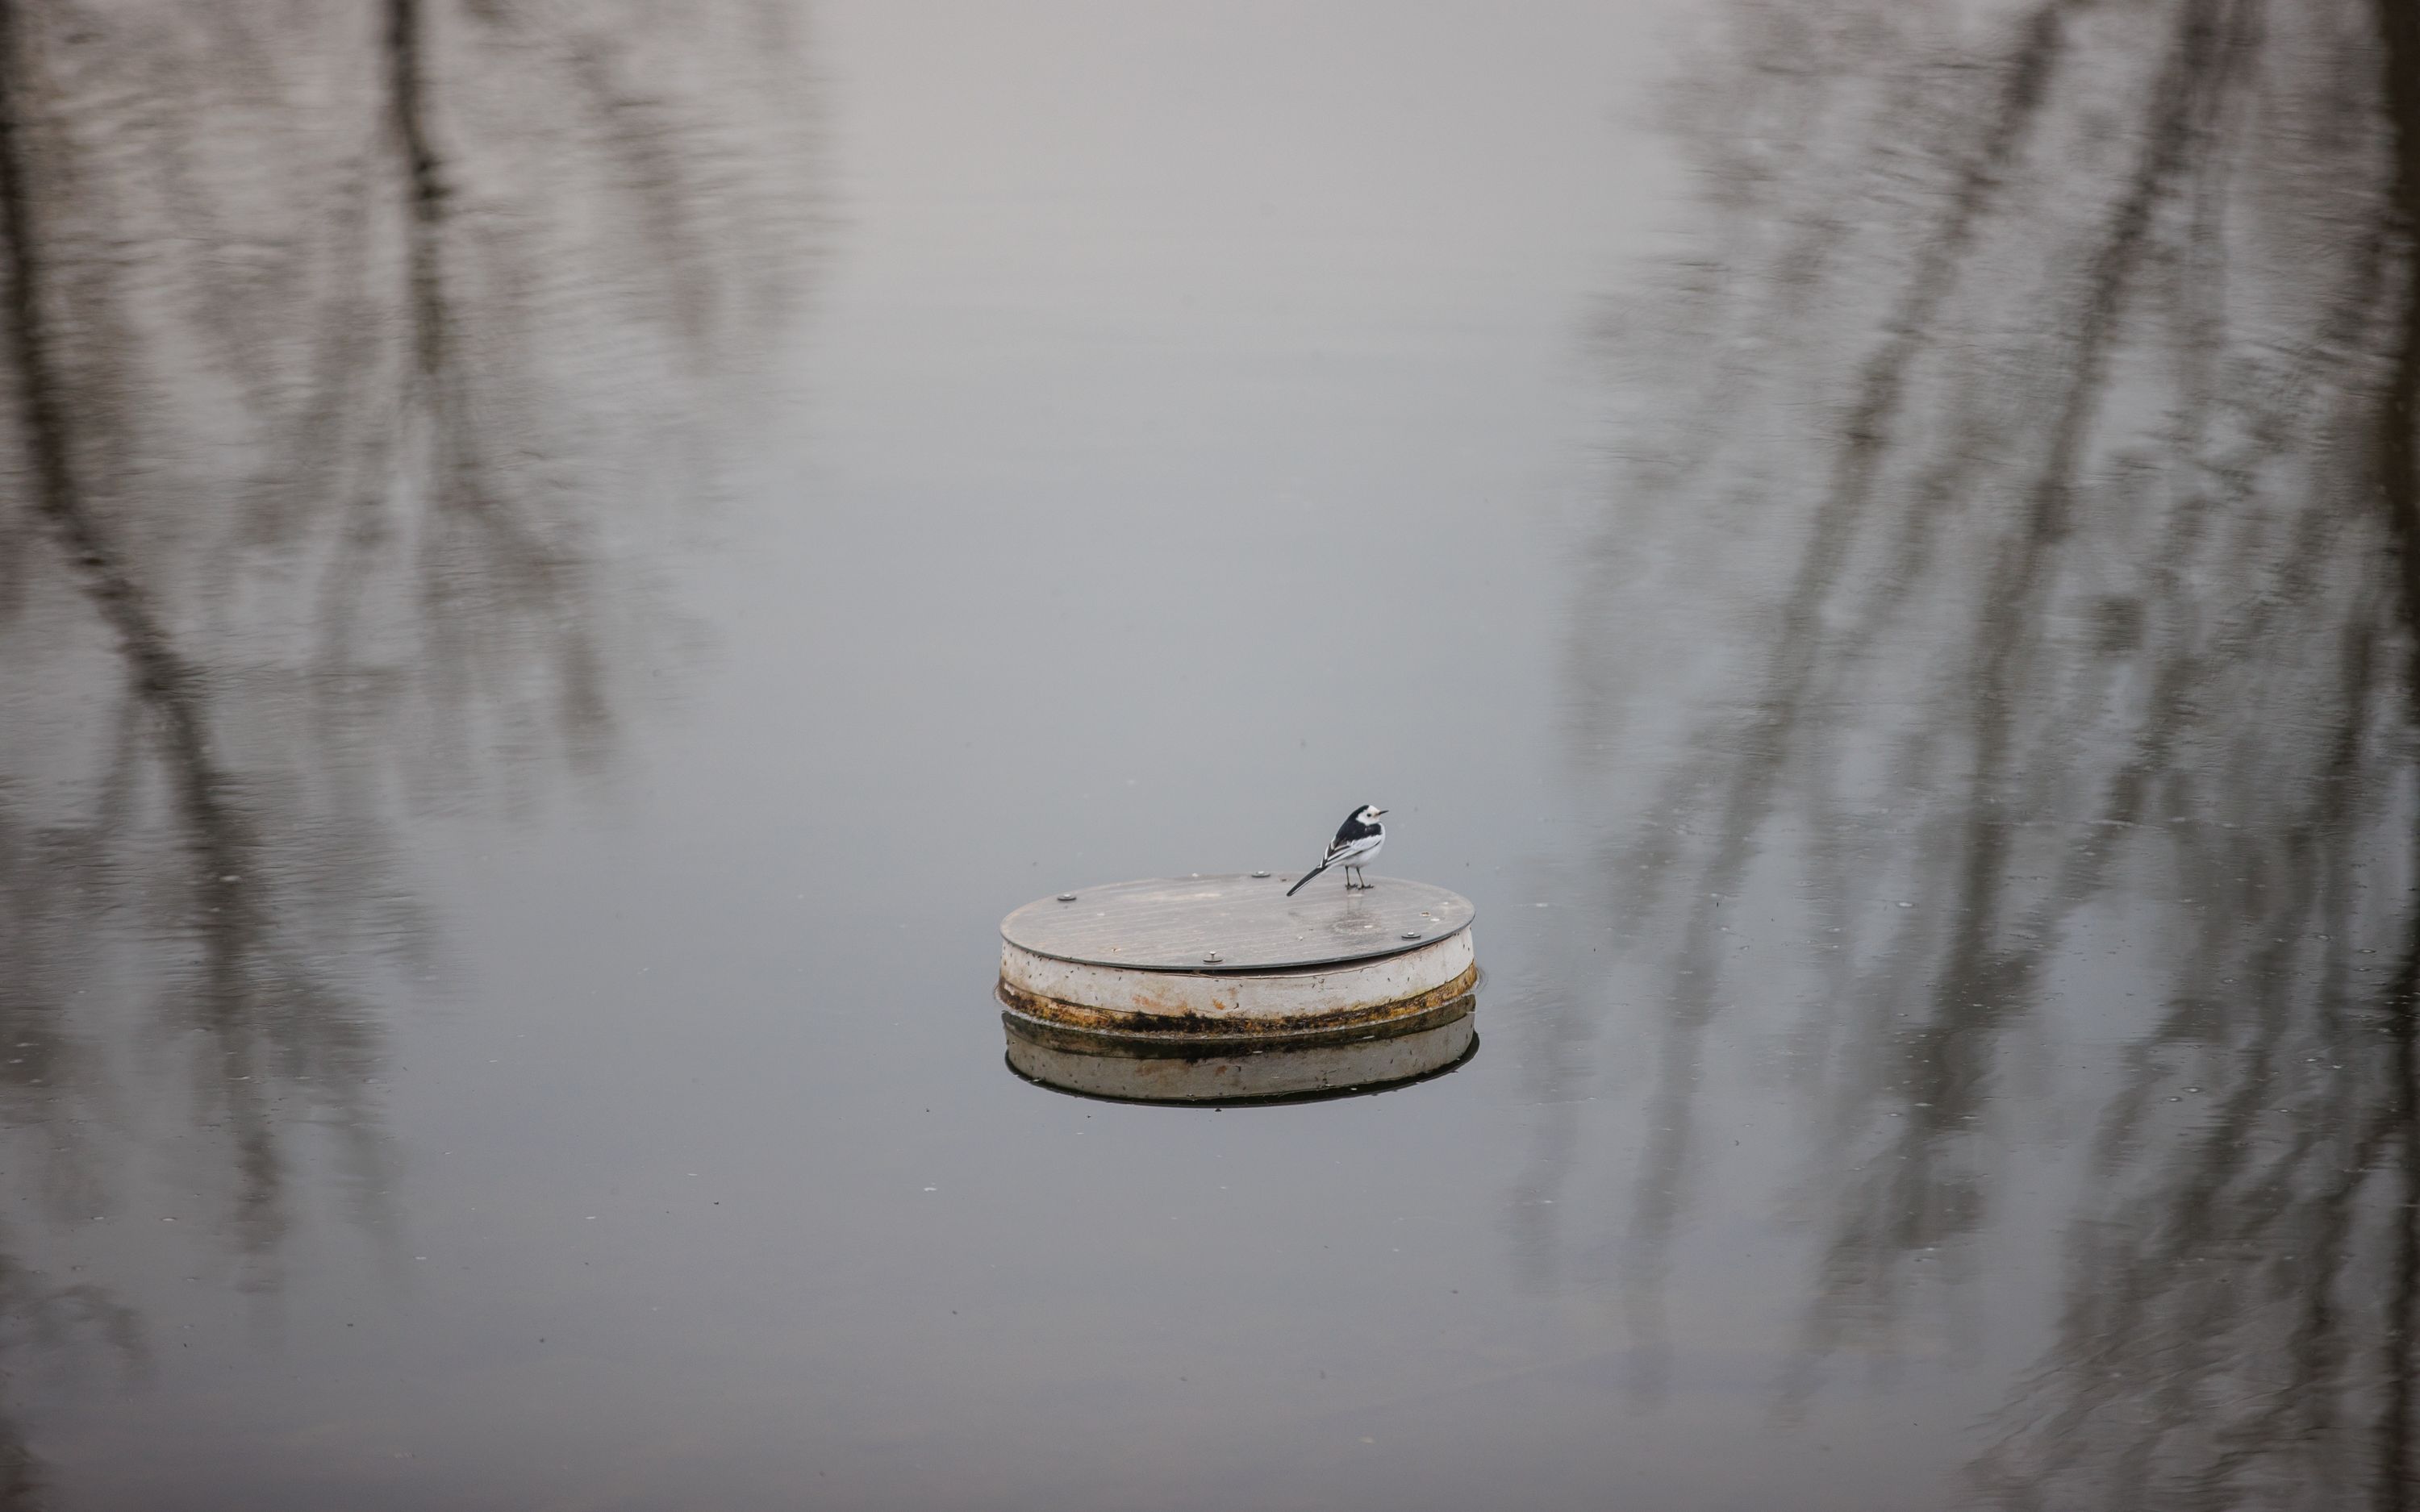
(1231, 1073)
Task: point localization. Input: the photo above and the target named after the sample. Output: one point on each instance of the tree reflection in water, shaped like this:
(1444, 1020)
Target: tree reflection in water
(2050, 561)
(361, 368)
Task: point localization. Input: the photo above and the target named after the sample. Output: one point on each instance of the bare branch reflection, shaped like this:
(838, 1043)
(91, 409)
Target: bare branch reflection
(359, 379)
(2050, 687)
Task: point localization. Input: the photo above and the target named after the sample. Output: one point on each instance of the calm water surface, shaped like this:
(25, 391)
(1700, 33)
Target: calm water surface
(562, 568)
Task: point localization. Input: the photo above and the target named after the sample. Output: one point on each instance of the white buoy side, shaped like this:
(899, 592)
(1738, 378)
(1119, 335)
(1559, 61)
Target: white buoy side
(1265, 1004)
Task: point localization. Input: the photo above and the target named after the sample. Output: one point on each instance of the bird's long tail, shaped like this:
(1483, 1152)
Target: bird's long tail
(1306, 877)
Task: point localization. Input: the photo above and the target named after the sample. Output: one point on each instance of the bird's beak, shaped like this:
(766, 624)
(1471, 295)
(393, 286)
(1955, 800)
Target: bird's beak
(1377, 810)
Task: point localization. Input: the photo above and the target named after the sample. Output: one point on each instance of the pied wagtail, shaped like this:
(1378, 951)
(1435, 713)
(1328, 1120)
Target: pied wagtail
(1357, 841)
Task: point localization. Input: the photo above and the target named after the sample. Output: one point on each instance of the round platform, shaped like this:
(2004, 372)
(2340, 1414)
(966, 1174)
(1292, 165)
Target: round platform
(1188, 961)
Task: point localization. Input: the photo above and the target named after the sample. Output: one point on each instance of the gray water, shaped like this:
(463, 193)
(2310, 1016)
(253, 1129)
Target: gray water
(563, 567)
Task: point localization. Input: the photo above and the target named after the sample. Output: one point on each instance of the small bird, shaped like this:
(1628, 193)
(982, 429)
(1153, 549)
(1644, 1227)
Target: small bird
(1356, 843)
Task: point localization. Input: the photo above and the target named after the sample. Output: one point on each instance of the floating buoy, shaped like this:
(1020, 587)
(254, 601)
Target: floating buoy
(1217, 989)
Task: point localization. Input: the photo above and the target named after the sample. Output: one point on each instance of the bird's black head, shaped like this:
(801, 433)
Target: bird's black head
(1366, 814)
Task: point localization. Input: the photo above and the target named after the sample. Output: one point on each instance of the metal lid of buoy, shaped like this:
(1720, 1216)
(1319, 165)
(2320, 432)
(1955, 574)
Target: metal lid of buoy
(1235, 923)
(1225, 966)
